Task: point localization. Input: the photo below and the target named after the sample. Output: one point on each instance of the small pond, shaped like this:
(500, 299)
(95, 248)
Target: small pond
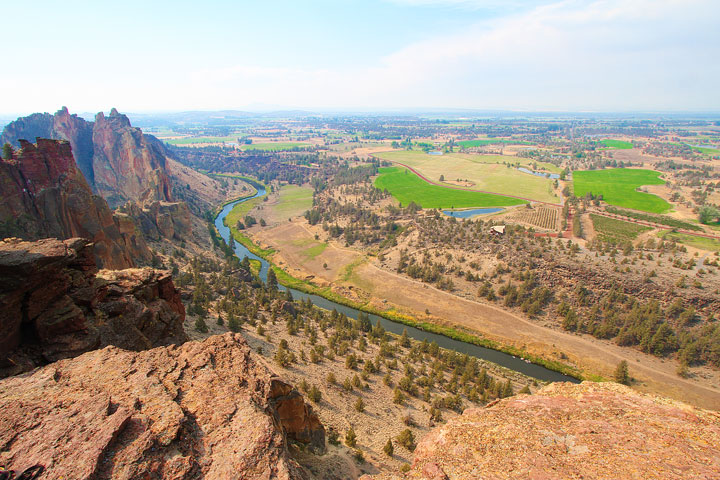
(470, 213)
(553, 176)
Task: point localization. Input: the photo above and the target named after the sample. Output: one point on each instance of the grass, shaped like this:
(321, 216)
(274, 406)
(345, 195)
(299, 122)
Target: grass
(490, 173)
(293, 201)
(315, 250)
(240, 210)
(274, 146)
(619, 144)
(661, 219)
(702, 243)
(707, 150)
(616, 231)
(407, 187)
(618, 187)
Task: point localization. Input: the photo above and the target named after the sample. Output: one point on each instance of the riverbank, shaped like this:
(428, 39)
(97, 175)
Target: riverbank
(451, 332)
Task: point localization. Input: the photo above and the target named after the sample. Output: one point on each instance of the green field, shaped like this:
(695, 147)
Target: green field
(490, 141)
(240, 210)
(691, 240)
(407, 187)
(619, 144)
(616, 231)
(293, 200)
(661, 219)
(618, 187)
(486, 172)
(274, 146)
(707, 150)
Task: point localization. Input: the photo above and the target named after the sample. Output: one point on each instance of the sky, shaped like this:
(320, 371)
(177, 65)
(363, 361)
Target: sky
(363, 55)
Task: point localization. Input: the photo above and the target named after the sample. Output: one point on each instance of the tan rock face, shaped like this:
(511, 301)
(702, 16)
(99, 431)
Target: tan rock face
(45, 195)
(127, 164)
(589, 431)
(117, 160)
(54, 304)
(201, 410)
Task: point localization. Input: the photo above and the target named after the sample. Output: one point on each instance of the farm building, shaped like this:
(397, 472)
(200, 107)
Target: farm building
(497, 229)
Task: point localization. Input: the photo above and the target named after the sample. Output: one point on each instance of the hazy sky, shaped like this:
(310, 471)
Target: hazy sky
(153, 55)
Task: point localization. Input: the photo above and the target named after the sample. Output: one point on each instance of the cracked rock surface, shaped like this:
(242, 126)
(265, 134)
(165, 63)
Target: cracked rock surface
(199, 410)
(566, 431)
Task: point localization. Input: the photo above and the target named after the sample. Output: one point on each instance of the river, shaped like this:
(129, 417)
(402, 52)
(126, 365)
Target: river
(500, 358)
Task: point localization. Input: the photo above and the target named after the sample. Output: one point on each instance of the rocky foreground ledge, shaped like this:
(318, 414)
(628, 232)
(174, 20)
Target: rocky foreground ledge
(55, 304)
(199, 410)
(565, 431)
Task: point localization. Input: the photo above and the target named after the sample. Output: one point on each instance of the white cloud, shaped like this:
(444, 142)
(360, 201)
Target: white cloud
(599, 55)
(473, 4)
(570, 55)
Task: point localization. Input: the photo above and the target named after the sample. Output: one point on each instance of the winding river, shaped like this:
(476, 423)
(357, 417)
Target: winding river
(500, 358)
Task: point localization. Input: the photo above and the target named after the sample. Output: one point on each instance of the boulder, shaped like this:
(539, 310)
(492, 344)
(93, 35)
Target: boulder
(201, 410)
(588, 431)
(54, 304)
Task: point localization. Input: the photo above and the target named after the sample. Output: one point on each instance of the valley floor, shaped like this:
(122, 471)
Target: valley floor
(363, 278)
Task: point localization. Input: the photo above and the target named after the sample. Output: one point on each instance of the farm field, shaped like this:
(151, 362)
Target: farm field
(541, 217)
(619, 144)
(661, 219)
(707, 150)
(618, 187)
(407, 187)
(274, 146)
(200, 140)
(490, 141)
(701, 243)
(486, 172)
(616, 231)
(292, 201)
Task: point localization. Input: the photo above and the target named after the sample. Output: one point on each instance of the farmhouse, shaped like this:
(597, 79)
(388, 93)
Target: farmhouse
(497, 230)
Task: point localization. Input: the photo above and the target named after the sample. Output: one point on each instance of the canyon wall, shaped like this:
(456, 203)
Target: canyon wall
(45, 195)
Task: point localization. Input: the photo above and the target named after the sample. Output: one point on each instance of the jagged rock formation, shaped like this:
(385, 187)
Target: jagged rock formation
(127, 164)
(117, 160)
(45, 195)
(54, 304)
(202, 410)
(128, 168)
(589, 431)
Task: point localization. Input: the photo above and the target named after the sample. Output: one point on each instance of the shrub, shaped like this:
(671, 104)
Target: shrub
(406, 438)
(350, 438)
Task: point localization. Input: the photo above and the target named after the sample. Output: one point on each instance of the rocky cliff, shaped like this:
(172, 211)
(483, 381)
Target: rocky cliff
(589, 431)
(201, 410)
(45, 195)
(127, 164)
(117, 160)
(54, 304)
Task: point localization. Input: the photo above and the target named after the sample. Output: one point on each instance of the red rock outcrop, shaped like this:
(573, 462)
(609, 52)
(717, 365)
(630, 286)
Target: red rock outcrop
(201, 410)
(127, 164)
(117, 160)
(45, 195)
(54, 304)
(589, 431)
